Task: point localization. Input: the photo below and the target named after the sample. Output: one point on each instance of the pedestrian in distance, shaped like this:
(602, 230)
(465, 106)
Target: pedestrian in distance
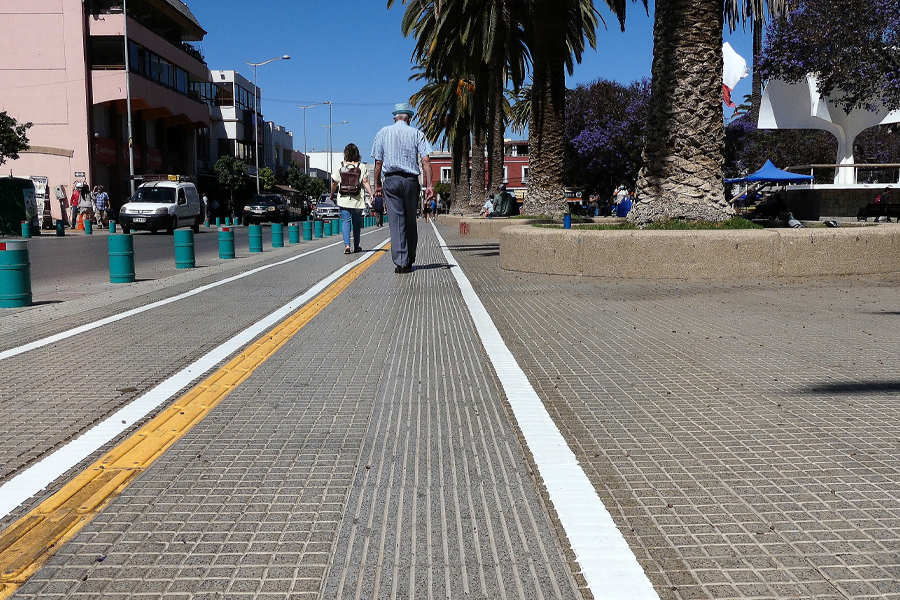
(433, 208)
(488, 209)
(348, 181)
(401, 155)
(86, 204)
(378, 207)
(101, 201)
(73, 203)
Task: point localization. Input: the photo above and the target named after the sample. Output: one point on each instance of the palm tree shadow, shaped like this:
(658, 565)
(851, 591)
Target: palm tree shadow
(856, 387)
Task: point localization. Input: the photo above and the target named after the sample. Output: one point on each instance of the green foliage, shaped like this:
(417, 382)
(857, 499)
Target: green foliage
(303, 183)
(441, 188)
(266, 178)
(12, 137)
(231, 173)
(673, 225)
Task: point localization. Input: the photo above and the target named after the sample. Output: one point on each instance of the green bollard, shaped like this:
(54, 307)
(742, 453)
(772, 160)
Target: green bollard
(26, 229)
(88, 227)
(206, 222)
(226, 242)
(277, 235)
(319, 229)
(121, 259)
(326, 228)
(336, 226)
(184, 249)
(228, 221)
(112, 226)
(15, 274)
(255, 233)
(294, 233)
(217, 223)
(60, 228)
(307, 230)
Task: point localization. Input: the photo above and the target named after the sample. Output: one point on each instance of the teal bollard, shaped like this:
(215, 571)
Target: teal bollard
(60, 228)
(26, 229)
(112, 226)
(88, 227)
(121, 259)
(320, 227)
(277, 235)
(326, 228)
(15, 274)
(226, 242)
(217, 223)
(206, 222)
(336, 226)
(184, 249)
(307, 230)
(294, 233)
(255, 233)
(228, 221)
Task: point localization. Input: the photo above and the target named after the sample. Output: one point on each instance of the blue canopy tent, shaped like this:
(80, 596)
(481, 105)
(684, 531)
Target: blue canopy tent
(772, 174)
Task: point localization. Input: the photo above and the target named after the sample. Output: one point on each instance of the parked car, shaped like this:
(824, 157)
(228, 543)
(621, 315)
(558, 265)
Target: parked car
(326, 210)
(164, 204)
(268, 208)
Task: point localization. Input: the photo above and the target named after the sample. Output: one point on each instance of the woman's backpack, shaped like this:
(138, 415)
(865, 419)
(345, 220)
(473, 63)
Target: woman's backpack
(350, 179)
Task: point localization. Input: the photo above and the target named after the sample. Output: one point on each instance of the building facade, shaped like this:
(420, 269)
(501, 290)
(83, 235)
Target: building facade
(65, 72)
(515, 167)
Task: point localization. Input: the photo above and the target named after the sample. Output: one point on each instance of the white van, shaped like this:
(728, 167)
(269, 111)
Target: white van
(164, 204)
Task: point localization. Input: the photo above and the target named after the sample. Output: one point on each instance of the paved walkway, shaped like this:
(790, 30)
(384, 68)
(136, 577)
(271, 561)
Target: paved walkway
(744, 436)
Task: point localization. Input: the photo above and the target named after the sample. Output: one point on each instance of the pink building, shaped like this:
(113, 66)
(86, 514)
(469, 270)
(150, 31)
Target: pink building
(63, 69)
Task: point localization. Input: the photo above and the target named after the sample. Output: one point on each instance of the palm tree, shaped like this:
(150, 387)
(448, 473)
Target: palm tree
(556, 45)
(444, 115)
(683, 154)
(482, 37)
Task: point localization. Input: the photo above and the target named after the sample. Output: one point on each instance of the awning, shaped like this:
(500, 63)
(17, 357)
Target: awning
(772, 174)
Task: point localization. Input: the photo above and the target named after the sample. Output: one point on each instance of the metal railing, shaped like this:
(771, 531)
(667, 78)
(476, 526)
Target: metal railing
(890, 172)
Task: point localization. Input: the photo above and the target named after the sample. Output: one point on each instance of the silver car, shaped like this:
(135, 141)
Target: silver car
(326, 210)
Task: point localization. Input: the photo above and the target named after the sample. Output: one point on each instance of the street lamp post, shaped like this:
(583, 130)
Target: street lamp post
(128, 97)
(256, 110)
(305, 153)
(330, 149)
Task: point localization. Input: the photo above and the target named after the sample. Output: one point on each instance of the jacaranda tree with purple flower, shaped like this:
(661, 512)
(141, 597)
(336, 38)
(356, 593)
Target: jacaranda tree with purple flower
(852, 47)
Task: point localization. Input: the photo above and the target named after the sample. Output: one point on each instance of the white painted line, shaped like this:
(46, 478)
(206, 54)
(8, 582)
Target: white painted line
(136, 311)
(609, 566)
(41, 474)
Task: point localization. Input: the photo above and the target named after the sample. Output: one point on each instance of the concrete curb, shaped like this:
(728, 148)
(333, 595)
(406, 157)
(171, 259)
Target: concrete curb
(733, 254)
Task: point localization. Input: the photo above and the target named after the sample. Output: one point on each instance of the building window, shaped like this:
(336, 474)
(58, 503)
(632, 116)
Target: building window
(445, 174)
(155, 68)
(107, 52)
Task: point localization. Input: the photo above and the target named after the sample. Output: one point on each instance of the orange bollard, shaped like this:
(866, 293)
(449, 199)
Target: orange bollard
(80, 222)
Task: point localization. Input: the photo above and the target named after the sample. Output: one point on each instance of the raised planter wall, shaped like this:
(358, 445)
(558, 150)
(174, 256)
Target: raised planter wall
(736, 254)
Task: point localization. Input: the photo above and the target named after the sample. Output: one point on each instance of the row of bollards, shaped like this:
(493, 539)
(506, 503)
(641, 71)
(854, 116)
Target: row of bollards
(15, 268)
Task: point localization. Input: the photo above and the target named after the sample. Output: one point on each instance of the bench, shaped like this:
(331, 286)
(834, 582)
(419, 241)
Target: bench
(878, 209)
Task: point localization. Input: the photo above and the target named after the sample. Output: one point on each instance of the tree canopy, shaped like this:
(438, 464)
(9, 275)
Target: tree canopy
(605, 126)
(852, 46)
(12, 137)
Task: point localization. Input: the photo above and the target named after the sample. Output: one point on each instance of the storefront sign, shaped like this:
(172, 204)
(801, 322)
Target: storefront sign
(104, 151)
(137, 155)
(80, 174)
(154, 158)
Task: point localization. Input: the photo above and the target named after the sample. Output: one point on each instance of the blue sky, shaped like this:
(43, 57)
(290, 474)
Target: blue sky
(352, 53)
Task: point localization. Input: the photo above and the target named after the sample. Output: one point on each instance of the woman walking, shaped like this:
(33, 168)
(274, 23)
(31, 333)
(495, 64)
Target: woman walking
(348, 181)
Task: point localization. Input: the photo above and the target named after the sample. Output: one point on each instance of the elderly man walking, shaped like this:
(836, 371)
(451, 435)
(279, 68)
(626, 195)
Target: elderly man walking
(399, 150)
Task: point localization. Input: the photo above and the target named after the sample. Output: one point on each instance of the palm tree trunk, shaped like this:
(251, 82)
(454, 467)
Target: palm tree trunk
(546, 173)
(683, 152)
(459, 193)
(497, 129)
(476, 183)
(756, 94)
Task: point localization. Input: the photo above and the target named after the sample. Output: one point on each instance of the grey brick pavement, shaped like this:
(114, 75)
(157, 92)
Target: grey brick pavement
(271, 497)
(744, 436)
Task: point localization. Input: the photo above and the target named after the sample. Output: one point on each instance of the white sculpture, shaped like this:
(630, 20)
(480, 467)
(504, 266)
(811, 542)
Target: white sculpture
(800, 106)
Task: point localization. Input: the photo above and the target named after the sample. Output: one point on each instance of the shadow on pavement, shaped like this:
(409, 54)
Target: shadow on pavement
(856, 387)
(434, 266)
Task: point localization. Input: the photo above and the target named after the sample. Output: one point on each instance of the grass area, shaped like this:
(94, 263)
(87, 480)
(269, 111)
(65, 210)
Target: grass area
(674, 225)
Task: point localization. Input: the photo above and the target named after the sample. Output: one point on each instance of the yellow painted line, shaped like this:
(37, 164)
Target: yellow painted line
(29, 542)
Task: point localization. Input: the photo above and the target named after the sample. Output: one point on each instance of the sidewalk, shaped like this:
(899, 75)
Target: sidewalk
(742, 435)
